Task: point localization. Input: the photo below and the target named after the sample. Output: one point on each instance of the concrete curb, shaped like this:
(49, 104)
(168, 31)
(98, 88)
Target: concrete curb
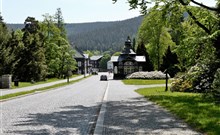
(100, 120)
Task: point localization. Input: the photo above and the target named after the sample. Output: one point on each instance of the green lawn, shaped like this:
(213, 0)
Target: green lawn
(26, 84)
(143, 81)
(8, 96)
(198, 112)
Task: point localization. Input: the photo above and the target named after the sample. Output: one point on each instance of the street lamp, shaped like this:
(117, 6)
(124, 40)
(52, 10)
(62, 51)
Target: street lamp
(84, 67)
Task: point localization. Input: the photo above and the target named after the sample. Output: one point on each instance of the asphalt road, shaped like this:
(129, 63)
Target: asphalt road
(68, 110)
(75, 109)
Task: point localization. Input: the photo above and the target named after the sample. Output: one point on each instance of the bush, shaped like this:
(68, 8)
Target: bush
(199, 78)
(147, 75)
(216, 85)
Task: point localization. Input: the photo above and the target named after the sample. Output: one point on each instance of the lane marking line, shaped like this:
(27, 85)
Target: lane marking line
(100, 121)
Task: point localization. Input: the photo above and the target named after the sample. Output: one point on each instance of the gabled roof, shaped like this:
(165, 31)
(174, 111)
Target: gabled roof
(136, 58)
(78, 53)
(96, 57)
(86, 55)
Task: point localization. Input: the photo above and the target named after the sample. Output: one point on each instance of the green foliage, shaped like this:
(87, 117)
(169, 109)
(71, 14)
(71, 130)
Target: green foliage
(142, 51)
(102, 36)
(153, 33)
(199, 78)
(143, 82)
(6, 57)
(32, 64)
(116, 53)
(58, 51)
(216, 85)
(170, 62)
(104, 60)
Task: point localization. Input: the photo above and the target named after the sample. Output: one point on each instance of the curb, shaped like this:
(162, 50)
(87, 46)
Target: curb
(99, 124)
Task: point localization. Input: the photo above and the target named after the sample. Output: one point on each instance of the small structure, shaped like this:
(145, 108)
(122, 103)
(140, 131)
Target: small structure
(94, 61)
(109, 65)
(5, 81)
(127, 62)
(82, 61)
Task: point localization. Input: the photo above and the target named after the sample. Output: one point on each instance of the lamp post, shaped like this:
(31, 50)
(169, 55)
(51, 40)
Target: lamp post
(166, 88)
(84, 67)
(68, 70)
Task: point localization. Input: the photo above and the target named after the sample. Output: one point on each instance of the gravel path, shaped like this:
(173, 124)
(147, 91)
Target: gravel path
(129, 113)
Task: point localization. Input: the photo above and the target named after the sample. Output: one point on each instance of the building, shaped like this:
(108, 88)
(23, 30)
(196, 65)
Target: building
(127, 62)
(82, 62)
(94, 62)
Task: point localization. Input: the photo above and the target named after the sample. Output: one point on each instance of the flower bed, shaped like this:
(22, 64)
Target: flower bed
(147, 75)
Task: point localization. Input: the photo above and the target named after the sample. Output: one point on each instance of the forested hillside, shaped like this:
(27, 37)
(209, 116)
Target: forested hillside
(101, 36)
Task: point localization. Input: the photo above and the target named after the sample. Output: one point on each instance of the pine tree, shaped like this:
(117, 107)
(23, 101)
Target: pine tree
(169, 63)
(5, 51)
(142, 51)
(31, 66)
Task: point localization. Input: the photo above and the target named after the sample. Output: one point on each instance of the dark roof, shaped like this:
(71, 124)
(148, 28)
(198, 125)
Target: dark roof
(79, 54)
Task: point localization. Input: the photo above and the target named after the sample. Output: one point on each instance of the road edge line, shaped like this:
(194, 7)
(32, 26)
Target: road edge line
(99, 124)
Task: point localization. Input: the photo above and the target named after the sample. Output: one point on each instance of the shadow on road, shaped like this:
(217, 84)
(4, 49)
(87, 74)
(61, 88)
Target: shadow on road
(69, 120)
(135, 116)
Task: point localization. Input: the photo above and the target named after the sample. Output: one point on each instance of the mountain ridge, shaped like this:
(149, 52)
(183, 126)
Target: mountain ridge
(101, 36)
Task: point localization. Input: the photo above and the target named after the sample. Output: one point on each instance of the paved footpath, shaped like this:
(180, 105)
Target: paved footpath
(127, 112)
(10, 91)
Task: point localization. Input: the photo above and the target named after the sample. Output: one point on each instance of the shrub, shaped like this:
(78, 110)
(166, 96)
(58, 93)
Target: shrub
(216, 85)
(147, 75)
(199, 78)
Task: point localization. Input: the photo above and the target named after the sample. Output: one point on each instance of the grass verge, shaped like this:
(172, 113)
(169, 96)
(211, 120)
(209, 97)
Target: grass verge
(26, 84)
(200, 113)
(143, 81)
(8, 96)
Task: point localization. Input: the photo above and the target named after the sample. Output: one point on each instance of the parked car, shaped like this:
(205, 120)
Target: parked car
(103, 78)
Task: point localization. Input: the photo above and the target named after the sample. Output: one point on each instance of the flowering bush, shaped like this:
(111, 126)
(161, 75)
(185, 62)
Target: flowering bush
(216, 85)
(147, 75)
(199, 78)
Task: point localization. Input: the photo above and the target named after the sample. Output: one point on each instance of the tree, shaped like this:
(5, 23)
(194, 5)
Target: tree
(170, 62)
(154, 34)
(142, 51)
(5, 51)
(58, 50)
(213, 31)
(104, 60)
(32, 63)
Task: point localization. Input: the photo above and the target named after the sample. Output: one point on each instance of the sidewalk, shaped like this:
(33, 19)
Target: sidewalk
(127, 112)
(10, 91)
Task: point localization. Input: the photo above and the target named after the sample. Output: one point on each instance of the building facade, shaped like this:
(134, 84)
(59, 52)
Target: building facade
(94, 62)
(82, 61)
(127, 62)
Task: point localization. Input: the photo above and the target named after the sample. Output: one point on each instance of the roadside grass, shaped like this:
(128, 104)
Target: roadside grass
(8, 96)
(26, 84)
(200, 113)
(143, 81)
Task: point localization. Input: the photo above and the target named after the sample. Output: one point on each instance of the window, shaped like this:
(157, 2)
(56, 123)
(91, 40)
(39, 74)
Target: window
(128, 67)
(79, 64)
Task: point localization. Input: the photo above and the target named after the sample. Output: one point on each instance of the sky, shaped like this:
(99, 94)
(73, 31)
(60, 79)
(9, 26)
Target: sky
(73, 11)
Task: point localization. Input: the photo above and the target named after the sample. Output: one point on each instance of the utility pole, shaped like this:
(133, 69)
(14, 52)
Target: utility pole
(84, 67)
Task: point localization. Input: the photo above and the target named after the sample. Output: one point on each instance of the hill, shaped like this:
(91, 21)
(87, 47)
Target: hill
(102, 36)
